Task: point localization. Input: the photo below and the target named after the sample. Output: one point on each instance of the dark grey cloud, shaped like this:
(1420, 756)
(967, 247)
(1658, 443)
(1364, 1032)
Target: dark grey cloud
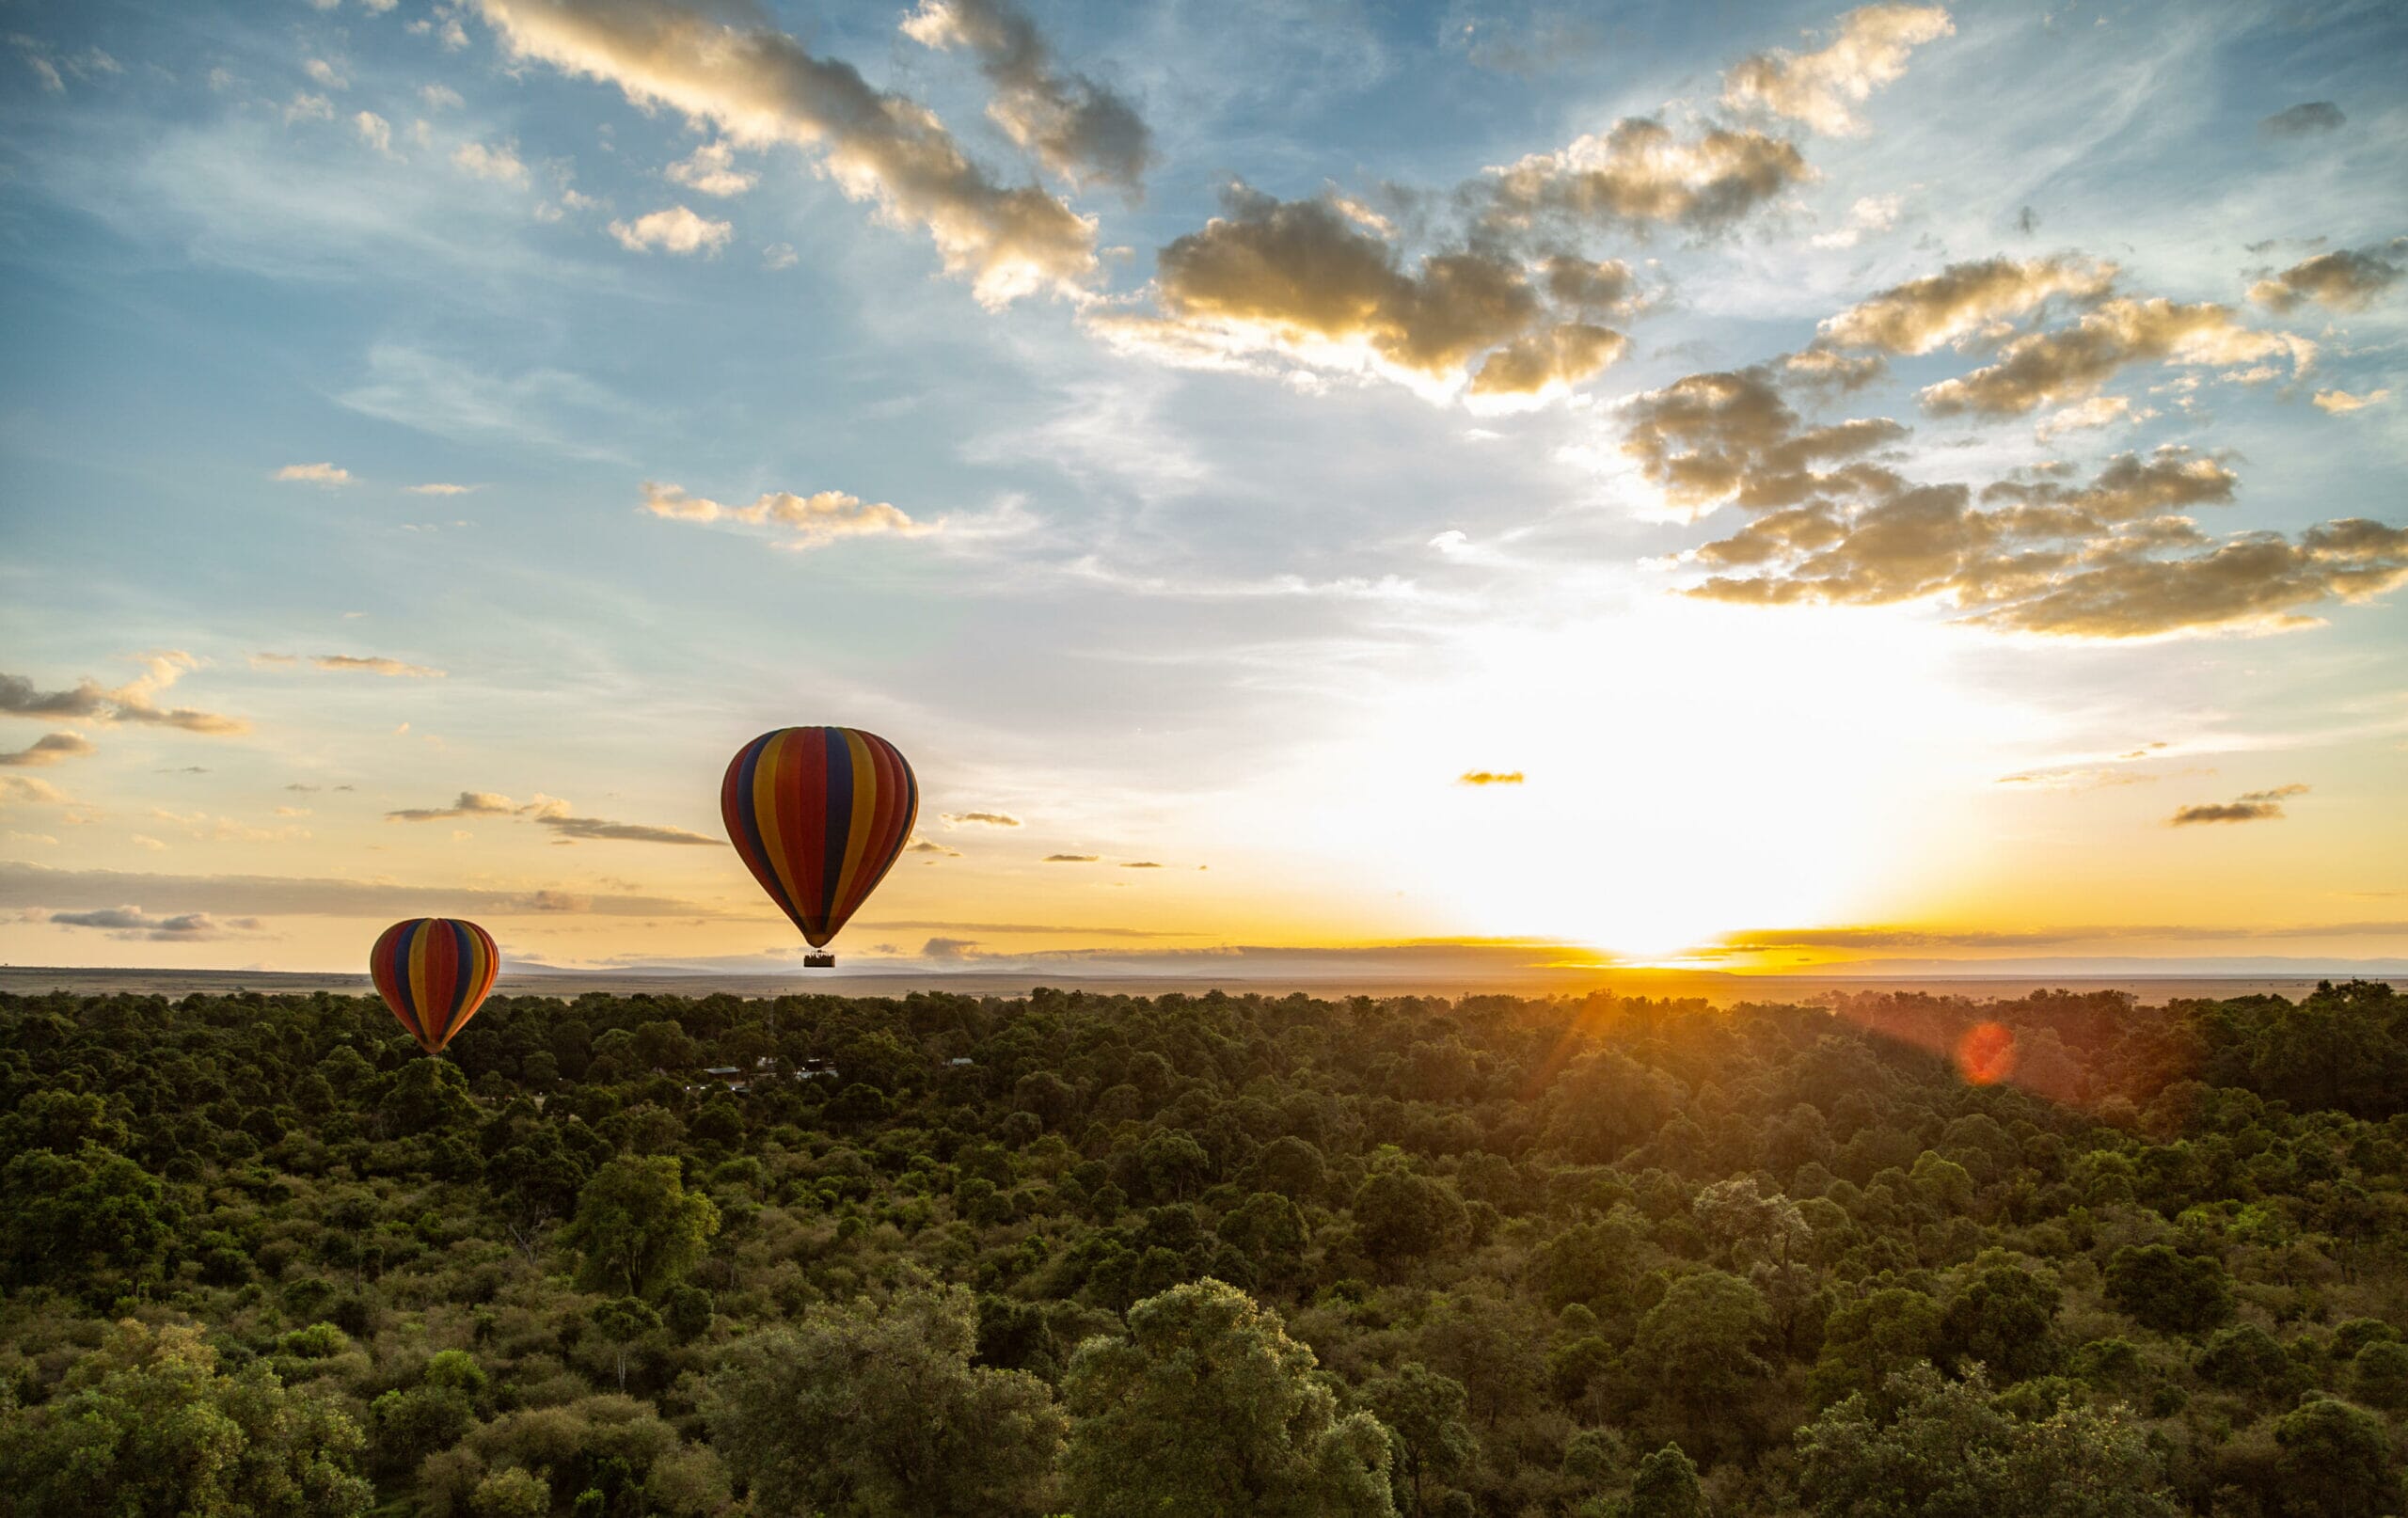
(50, 749)
(23, 886)
(2345, 280)
(132, 923)
(136, 701)
(1065, 930)
(2251, 806)
(1079, 130)
(2310, 118)
(985, 819)
(552, 813)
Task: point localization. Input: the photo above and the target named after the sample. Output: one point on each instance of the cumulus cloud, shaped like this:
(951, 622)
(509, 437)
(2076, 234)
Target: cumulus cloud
(2345, 280)
(1307, 279)
(812, 520)
(1314, 281)
(1820, 88)
(1079, 130)
(1489, 777)
(374, 131)
(1730, 436)
(761, 87)
(675, 229)
(136, 701)
(2071, 363)
(1544, 362)
(1961, 302)
(1640, 174)
(132, 923)
(2308, 118)
(314, 474)
(499, 163)
(2252, 806)
(2340, 403)
(711, 169)
(2116, 557)
(983, 820)
(47, 749)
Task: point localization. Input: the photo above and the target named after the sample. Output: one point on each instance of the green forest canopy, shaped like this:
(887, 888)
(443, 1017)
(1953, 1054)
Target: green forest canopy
(1216, 1255)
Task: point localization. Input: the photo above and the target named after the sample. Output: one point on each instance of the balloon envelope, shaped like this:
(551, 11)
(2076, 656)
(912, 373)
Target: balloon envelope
(433, 972)
(819, 814)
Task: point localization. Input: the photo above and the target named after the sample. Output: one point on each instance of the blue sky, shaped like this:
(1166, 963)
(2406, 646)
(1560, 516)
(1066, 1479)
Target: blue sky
(1204, 434)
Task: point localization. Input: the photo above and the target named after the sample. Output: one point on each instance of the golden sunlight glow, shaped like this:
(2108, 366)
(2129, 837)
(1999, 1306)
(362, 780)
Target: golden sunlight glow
(1649, 820)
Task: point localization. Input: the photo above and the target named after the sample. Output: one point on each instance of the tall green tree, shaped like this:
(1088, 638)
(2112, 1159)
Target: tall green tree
(2336, 1461)
(637, 1229)
(1209, 1410)
(876, 1412)
(1425, 1411)
(1666, 1486)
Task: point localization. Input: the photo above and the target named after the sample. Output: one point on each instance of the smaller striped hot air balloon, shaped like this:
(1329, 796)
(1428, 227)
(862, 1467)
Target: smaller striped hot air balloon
(433, 972)
(819, 814)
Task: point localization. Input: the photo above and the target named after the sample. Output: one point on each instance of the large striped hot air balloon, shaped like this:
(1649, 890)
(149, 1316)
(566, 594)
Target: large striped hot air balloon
(433, 972)
(818, 816)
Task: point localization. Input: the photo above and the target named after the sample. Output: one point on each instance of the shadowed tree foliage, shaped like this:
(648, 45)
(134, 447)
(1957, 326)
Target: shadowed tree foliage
(147, 1426)
(1948, 1449)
